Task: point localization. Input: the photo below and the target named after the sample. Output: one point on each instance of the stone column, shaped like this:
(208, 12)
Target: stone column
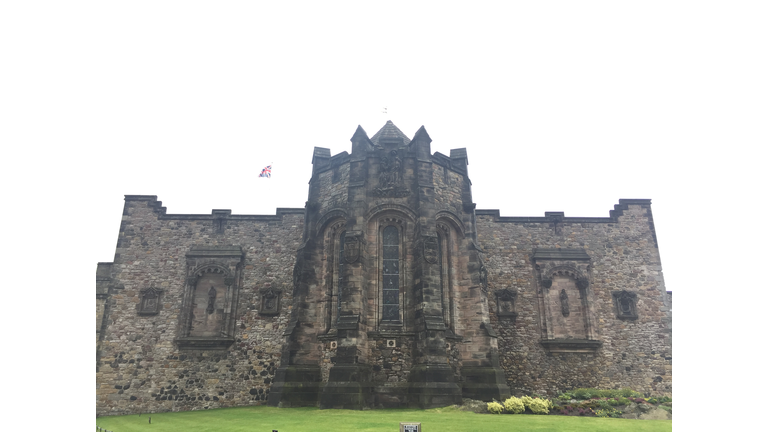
(431, 381)
(349, 380)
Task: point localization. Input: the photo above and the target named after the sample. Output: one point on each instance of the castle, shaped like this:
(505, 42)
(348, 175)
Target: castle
(388, 289)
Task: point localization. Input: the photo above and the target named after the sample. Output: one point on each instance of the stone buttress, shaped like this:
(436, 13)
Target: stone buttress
(388, 251)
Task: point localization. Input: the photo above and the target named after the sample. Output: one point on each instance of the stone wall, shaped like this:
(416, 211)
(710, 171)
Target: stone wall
(623, 256)
(139, 366)
(220, 310)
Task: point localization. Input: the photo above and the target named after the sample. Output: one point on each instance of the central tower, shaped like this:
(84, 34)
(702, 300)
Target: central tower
(389, 306)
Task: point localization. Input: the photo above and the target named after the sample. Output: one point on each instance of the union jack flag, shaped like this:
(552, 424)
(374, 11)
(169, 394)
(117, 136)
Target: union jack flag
(266, 172)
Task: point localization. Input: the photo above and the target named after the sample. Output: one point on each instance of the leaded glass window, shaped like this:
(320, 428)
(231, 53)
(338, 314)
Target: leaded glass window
(391, 274)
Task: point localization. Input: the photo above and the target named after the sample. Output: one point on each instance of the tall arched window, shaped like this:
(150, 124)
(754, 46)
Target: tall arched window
(444, 265)
(340, 274)
(391, 274)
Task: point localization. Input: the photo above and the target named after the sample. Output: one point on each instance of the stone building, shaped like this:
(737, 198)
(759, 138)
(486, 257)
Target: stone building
(388, 289)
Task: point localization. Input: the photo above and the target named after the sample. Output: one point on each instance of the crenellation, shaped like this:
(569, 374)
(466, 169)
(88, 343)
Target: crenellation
(296, 308)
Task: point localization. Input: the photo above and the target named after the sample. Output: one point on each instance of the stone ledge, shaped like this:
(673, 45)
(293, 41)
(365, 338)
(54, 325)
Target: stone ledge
(204, 343)
(571, 345)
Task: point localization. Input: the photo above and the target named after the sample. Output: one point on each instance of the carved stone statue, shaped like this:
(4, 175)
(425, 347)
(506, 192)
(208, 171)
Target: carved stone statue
(564, 303)
(211, 299)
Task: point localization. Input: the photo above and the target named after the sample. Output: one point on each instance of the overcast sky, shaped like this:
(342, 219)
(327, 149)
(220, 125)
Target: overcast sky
(562, 106)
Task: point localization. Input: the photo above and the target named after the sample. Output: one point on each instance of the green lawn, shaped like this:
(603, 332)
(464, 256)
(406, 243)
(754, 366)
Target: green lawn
(265, 419)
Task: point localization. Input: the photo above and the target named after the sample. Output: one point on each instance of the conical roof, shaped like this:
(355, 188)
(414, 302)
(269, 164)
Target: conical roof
(389, 134)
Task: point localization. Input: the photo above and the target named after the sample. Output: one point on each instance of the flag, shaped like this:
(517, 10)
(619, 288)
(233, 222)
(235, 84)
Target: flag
(266, 172)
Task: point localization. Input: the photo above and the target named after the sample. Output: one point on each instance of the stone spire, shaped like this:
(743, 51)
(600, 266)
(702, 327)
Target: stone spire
(390, 136)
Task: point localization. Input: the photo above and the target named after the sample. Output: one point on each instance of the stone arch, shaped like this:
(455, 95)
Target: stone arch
(332, 244)
(450, 238)
(451, 218)
(329, 217)
(568, 271)
(393, 209)
(202, 269)
(377, 221)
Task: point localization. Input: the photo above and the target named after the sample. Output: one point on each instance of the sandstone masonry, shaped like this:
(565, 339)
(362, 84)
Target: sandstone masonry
(388, 289)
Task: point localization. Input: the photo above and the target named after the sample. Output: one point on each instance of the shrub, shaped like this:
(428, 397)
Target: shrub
(604, 403)
(629, 393)
(526, 401)
(495, 408)
(622, 401)
(665, 399)
(540, 406)
(583, 393)
(609, 412)
(514, 405)
(565, 396)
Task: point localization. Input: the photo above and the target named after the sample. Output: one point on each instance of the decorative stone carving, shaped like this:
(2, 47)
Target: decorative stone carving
(208, 312)
(430, 251)
(211, 300)
(582, 283)
(219, 224)
(564, 308)
(390, 169)
(390, 178)
(483, 277)
(505, 303)
(270, 301)
(351, 249)
(626, 304)
(312, 206)
(150, 301)
(563, 275)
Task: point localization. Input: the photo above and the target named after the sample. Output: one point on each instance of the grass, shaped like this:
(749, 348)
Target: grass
(265, 419)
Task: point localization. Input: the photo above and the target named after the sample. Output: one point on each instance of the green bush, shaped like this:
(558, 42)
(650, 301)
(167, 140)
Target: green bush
(514, 405)
(609, 412)
(589, 393)
(627, 393)
(540, 406)
(495, 408)
(605, 403)
(583, 393)
(565, 396)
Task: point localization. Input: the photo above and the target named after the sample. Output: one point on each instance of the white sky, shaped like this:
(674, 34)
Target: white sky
(562, 106)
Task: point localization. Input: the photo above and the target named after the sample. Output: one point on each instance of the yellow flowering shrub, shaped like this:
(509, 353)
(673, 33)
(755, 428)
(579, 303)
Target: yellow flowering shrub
(514, 405)
(540, 406)
(495, 408)
(526, 401)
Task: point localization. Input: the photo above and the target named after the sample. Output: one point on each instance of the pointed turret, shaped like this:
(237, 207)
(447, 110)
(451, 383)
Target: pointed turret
(420, 143)
(360, 143)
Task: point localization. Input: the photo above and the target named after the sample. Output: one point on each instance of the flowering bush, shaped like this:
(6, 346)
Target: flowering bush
(526, 401)
(514, 405)
(540, 406)
(495, 408)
